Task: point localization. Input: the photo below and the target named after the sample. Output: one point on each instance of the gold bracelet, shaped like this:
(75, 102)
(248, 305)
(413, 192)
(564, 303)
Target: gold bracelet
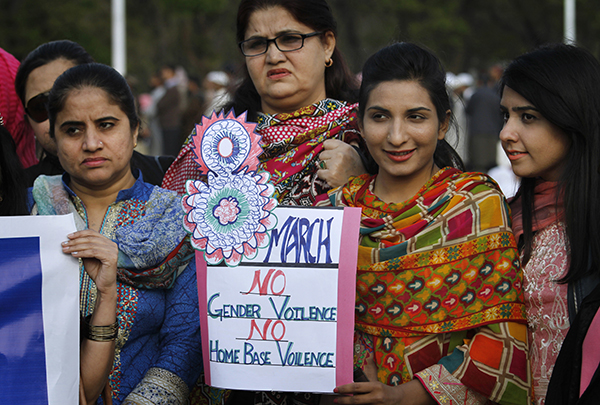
(99, 333)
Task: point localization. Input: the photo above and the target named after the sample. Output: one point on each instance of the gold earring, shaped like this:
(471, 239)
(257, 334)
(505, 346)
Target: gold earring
(329, 63)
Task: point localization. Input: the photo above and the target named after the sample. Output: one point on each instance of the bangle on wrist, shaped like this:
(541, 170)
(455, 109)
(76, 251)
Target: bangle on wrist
(99, 333)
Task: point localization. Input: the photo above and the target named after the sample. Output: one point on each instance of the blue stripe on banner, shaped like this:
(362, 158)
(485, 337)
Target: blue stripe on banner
(22, 352)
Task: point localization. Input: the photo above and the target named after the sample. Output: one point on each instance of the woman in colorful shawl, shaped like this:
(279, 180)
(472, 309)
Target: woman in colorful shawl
(439, 312)
(297, 87)
(551, 103)
(120, 219)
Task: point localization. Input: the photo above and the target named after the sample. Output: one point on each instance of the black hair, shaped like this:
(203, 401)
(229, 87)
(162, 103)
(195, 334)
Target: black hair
(46, 53)
(13, 193)
(563, 83)
(406, 61)
(94, 75)
(340, 83)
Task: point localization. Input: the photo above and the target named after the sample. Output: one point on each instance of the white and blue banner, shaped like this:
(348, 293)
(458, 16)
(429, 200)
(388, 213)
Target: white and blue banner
(39, 312)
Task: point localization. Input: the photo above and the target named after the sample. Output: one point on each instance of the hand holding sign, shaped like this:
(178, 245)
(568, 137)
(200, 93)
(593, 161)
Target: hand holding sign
(99, 256)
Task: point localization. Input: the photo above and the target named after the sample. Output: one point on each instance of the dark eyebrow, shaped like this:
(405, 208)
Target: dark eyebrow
(277, 34)
(411, 110)
(378, 108)
(416, 109)
(520, 108)
(525, 108)
(108, 118)
(70, 123)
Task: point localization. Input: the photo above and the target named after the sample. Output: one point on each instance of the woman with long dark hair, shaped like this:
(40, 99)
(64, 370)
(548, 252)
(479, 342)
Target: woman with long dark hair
(551, 106)
(439, 301)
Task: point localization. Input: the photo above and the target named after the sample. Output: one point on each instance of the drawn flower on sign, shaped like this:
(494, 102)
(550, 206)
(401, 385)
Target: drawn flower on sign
(227, 211)
(230, 216)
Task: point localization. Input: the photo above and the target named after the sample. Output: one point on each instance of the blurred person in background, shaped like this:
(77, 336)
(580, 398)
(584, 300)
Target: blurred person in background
(168, 111)
(148, 103)
(457, 135)
(195, 107)
(216, 94)
(484, 122)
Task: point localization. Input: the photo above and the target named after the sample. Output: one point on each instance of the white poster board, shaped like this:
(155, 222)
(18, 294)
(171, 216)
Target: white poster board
(284, 320)
(34, 272)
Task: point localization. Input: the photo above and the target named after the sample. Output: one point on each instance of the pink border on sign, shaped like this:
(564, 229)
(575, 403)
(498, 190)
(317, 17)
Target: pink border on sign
(201, 276)
(347, 296)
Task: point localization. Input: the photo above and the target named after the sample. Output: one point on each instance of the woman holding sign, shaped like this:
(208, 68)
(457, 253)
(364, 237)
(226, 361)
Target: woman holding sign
(297, 87)
(128, 225)
(439, 313)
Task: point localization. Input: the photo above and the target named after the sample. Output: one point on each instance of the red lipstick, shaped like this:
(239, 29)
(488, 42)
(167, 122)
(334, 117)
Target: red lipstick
(400, 156)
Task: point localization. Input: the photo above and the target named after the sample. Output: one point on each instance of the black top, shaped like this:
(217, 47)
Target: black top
(566, 376)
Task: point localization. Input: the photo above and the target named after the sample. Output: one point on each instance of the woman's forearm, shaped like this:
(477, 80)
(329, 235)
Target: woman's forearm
(97, 356)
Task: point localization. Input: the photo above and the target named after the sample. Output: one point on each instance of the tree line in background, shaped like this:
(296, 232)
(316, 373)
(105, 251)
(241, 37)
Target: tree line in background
(200, 34)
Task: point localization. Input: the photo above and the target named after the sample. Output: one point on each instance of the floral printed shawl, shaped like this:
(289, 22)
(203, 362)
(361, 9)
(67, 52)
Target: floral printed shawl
(152, 251)
(291, 143)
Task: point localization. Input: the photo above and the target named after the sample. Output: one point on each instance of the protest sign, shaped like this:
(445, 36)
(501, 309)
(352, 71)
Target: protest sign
(39, 312)
(284, 320)
(276, 285)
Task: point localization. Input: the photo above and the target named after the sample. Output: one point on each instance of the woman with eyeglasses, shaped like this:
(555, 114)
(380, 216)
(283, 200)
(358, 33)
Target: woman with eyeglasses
(33, 82)
(298, 88)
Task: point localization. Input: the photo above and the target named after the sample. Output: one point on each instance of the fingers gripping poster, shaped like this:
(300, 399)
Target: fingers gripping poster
(276, 284)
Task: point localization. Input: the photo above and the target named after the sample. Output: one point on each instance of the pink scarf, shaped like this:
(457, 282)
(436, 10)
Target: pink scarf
(547, 209)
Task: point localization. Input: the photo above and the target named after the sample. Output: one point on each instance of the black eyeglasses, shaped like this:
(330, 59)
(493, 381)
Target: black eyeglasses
(284, 42)
(36, 107)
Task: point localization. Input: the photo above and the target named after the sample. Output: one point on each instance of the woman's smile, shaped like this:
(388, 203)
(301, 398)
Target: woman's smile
(515, 155)
(400, 156)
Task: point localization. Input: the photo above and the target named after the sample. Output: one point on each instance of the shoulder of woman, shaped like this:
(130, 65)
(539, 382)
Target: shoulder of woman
(480, 180)
(161, 197)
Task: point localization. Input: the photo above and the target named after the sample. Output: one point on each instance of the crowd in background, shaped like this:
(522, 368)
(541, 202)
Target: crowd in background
(475, 105)
(421, 151)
